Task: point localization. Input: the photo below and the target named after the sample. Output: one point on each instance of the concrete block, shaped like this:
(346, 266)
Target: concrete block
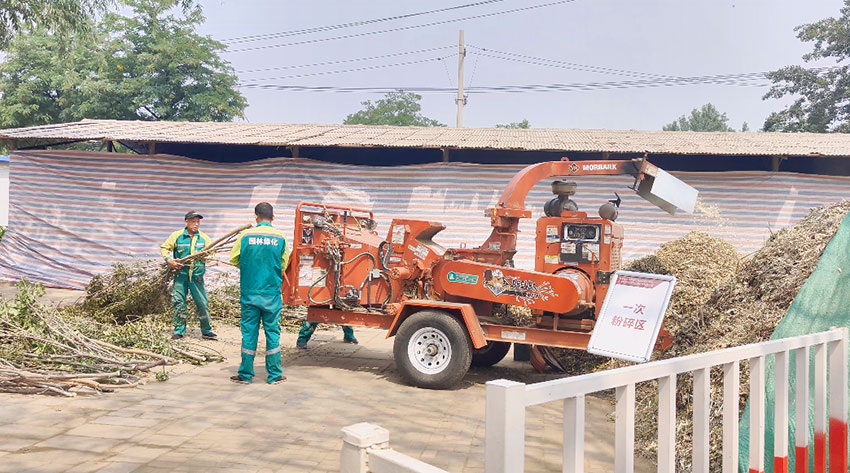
(365, 434)
(11, 444)
(82, 443)
(106, 431)
(125, 421)
(120, 468)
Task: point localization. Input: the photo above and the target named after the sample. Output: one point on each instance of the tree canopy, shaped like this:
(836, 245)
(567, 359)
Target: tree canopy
(396, 108)
(822, 96)
(149, 65)
(56, 16)
(706, 118)
(523, 124)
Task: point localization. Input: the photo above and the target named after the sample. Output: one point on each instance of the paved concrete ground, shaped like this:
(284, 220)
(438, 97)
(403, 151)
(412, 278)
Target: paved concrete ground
(198, 421)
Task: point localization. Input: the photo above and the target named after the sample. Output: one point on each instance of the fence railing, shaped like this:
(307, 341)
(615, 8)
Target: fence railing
(366, 449)
(507, 402)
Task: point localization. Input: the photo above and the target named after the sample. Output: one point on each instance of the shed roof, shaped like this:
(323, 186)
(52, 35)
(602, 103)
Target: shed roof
(371, 136)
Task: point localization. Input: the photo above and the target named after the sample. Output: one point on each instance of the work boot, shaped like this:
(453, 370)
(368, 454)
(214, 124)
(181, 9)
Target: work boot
(278, 380)
(210, 336)
(239, 380)
(351, 340)
(176, 336)
(301, 345)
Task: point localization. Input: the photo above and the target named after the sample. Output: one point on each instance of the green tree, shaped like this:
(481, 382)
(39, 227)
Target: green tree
(57, 16)
(707, 118)
(523, 124)
(822, 96)
(396, 108)
(150, 65)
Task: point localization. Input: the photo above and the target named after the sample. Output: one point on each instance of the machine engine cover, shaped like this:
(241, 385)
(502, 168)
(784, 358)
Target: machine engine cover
(542, 291)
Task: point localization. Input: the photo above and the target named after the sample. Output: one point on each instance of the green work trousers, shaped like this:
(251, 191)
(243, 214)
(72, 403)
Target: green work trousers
(309, 327)
(182, 284)
(266, 309)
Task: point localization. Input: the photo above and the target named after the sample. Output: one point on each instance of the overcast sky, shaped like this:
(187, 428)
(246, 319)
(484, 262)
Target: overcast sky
(660, 37)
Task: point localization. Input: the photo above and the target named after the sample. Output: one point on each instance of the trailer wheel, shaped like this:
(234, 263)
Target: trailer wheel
(490, 354)
(432, 350)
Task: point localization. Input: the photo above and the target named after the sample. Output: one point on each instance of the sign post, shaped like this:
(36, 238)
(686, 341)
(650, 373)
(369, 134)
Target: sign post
(631, 316)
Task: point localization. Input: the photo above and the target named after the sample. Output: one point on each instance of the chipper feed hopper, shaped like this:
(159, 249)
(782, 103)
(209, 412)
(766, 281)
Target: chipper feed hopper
(439, 302)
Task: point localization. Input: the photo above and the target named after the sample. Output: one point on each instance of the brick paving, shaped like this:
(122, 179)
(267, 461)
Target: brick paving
(198, 421)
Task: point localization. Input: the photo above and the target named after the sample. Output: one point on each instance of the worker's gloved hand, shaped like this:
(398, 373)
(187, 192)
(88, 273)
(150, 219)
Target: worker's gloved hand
(174, 264)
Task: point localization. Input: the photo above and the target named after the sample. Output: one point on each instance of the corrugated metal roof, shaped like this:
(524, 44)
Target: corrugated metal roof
(535, 139)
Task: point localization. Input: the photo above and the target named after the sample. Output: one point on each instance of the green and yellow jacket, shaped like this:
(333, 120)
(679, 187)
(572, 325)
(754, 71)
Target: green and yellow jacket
(261, 253)
(180, 244)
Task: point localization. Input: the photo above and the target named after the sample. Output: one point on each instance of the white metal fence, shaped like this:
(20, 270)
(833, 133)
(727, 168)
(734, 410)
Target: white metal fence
(366, 449)
(507, 402)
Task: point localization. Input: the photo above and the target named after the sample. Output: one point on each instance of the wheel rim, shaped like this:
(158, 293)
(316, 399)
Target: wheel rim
(429, 350)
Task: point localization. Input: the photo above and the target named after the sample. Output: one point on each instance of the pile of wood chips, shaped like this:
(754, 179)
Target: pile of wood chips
(720, 301)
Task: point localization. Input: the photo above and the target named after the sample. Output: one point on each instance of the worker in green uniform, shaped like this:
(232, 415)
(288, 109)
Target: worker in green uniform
(189, 278)
(261, 253)
(308, 328)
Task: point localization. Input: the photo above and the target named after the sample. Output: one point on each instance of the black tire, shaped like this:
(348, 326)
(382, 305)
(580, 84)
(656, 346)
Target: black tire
(438, 365)
(490, 354)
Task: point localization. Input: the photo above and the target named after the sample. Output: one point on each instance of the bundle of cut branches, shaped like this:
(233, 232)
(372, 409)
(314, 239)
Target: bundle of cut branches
(131, 291)
(43, 352)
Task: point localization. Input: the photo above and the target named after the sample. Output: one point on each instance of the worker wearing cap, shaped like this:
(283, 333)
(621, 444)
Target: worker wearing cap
(261, 253)
(189, 278)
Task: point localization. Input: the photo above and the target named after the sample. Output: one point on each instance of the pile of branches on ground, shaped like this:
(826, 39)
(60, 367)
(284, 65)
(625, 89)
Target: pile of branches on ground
(120, 331)
(128, 292)
(44, 352)
(720, 302)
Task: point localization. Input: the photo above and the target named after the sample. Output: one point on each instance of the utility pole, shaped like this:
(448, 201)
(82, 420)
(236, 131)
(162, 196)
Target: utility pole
(460, 100)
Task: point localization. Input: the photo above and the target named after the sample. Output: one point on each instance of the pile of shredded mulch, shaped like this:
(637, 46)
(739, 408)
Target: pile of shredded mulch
(744, 310)
(720, 302)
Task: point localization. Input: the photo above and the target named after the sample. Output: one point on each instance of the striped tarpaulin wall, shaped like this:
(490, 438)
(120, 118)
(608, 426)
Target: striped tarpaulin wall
(74, 214)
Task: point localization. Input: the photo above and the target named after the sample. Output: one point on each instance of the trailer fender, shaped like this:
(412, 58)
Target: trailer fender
(464, 312)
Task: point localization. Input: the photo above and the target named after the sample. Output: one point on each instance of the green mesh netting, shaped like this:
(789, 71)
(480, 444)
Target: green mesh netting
(823, 302)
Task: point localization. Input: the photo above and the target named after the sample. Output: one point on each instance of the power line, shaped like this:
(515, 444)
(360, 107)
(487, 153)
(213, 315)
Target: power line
(566, 65)
(403, 28)
(733, 81)
(474, 68)
(446, 68)
(342, 61)
(366, 68)
(720, 79)
(317, 29)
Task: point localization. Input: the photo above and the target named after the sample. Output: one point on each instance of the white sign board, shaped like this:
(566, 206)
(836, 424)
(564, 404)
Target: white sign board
(631, 315)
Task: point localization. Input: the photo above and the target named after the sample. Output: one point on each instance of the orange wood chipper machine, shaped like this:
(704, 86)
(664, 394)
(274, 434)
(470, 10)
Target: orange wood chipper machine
(439, 303)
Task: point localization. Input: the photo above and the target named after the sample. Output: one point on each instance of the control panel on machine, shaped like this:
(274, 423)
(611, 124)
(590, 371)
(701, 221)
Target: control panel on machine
(580, 243)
